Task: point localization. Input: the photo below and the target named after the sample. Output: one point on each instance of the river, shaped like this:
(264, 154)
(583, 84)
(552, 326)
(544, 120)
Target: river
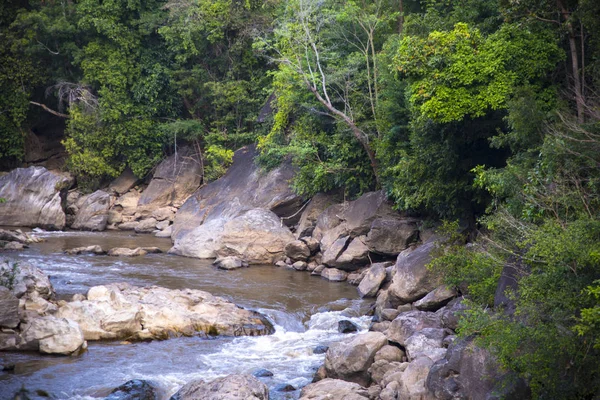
(304, 309)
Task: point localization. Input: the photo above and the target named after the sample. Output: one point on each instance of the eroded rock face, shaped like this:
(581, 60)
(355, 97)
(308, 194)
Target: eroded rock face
(33, 197)
(225, 217)
(470, 372)
(93, 213)
(121, 311)
(334, 389)
(174, 180)
(231, 387)
(350, 359)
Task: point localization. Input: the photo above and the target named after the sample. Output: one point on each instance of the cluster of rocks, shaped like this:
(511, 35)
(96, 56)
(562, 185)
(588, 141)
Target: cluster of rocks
(36, 197)
(115, 251)
(16, 239)
(31, 318)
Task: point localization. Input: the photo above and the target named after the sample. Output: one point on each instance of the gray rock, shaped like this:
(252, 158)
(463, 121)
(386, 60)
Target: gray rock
(300, 266)
(412, 279)
(174, 180)
(450, 314)
(436, 299)
(470, 372)
(333, 274)
(408, 323)
(199, 224)
(334, 389)
(345, 326)
(262, 373)
(93, 213)
(229, 263)
(12, 246)
(335, 250)
(320, 349)
(33, 197)
(354, 256)
(372, 281)
(389, 236)
(318, 270)
(231, 387)
(308, 220)
(29, 281)
(125, 252)
(390, 354)
(164, 214)
(165, 233)
(350, 359)
(424, 340)
(128, 226)
(297, 250)
(389, 314)
(162, 225)
(312, 243)
(408, 383)
(9, 309)
(94, 249)
(124, 182)
(52, 335)
(135, 389)
(146, 226)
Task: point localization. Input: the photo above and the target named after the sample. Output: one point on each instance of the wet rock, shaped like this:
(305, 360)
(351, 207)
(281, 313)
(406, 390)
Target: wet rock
(231, 387)
(297, 250)
(165, 233)
(311, 266)
(174, 180)
(408, 323)
(199, 225)
(120, 311)
(135, 389)
(33, 197)
(308, 220)
(128, 226)
(146, 226)
(470, 372)
(436, 299)
(284, 387)
(229, 263)
(12, 246)
(412, 279)
(262, 373)
(318, 270)
(345, 326)
(125, 252)
(300, 266)
(152, 250)
(350, 359)
(372, 281)
(93, 213)
(320, 349)
(333, 274)
(9, 309)
(51, 335)
(94, 249)
(280, 263)
(334, 389)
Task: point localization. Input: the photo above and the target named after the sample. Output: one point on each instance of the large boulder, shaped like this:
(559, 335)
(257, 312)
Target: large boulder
(408, 382)
(334, 389)
(124, 182)
(174, 180)
(226, 209)
(9, 309)
(408, 323)
(350, 359)
(34, 197)
(412, 279)
(51, 335)
(315, 207)
(121, 311)
(470, 372)
(384, 230)
(230, 387)
(372, 280)
(93, 213)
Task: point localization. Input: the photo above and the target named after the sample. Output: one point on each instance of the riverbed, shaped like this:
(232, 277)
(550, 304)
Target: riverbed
(304, 309)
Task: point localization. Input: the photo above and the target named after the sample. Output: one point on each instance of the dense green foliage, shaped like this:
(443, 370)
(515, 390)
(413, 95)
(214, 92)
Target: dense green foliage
(480, 110)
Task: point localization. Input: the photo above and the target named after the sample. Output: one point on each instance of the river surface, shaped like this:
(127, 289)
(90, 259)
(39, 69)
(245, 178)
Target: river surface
(304, 309)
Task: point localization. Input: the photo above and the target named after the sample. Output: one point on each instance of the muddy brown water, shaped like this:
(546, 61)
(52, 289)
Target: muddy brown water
(304, 309)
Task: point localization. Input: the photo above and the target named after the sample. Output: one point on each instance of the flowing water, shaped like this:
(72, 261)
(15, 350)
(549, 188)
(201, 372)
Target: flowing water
(304, 309)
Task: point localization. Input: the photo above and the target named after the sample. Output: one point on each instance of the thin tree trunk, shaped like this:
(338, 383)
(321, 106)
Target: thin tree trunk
(577, 84)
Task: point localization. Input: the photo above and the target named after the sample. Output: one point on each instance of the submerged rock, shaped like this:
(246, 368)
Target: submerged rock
(121, 311)
(33, 197)
(94, 249)
(231, 387)
(125, 252)
(135, 389)
(345, 326)
(229, 263)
